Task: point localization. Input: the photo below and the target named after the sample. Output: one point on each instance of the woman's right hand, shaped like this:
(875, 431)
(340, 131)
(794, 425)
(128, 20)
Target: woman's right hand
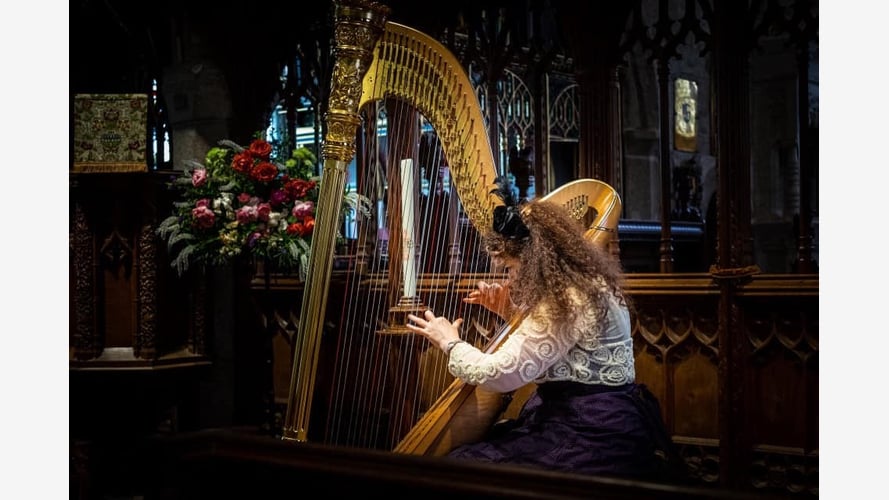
(492, 296)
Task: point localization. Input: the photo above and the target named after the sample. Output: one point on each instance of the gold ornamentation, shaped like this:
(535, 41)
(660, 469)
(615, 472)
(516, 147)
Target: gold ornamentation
(685, 109)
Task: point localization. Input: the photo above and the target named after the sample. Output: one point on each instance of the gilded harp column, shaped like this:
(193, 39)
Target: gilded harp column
(358, 26)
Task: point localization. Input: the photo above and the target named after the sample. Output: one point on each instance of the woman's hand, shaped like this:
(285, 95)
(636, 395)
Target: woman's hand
(492, 296)
(439, 330)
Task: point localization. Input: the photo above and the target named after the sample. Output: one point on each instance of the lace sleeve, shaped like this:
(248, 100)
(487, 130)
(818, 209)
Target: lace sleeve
(534, 346)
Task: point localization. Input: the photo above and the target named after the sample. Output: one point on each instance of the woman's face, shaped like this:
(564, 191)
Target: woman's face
(501, 260)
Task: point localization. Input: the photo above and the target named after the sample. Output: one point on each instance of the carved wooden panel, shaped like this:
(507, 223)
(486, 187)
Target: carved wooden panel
(676, 322)
(120, 316)
(677, 357)
(782, 400)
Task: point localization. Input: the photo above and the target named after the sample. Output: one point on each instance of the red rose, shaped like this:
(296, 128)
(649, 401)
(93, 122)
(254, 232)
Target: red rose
(260, 149)
(298, 188)
(295, 228)
(264, 172)
(242, 162)
(308, 226)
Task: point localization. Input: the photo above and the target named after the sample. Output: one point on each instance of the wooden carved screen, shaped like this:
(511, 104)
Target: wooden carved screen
(404, 104)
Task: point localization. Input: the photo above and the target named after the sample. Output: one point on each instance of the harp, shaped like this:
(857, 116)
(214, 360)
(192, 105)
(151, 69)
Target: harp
(367, 381)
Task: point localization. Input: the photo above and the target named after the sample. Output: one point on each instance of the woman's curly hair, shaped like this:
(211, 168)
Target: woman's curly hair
(555, 257)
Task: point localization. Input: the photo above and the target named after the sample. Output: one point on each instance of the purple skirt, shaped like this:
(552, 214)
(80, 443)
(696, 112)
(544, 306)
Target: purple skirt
(587, 429)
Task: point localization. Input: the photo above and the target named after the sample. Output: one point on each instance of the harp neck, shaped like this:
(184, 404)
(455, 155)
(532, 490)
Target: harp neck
(416, 68)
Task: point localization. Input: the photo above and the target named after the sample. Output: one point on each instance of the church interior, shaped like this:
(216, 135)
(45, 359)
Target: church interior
(199, 379)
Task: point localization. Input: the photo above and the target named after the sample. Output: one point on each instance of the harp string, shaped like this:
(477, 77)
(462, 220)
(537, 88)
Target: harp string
(354, 355)
(402, 346)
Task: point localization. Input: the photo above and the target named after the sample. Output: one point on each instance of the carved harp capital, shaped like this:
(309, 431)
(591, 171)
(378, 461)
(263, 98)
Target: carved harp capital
(339, 143)
(359, 25)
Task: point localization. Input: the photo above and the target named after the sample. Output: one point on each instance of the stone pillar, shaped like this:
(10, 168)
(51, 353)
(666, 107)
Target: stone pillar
(198, 100)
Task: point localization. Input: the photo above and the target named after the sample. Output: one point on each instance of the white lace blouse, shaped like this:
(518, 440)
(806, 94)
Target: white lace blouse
(537, 351)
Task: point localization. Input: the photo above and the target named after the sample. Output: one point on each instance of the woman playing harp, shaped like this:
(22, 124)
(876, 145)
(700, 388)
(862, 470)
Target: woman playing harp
(588, 414)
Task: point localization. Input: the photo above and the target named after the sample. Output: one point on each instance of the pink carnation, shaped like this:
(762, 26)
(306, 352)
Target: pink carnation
(203, 217)
(199, 177)
(263, 210)
(246, 214)
(302, 208)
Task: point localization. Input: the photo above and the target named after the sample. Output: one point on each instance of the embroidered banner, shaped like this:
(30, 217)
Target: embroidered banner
(110, 133)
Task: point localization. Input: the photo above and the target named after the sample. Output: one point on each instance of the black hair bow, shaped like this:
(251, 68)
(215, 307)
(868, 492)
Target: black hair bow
(508, 222)
(507, 217)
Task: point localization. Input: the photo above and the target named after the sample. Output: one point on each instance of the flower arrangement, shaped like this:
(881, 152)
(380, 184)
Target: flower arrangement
(245, 201)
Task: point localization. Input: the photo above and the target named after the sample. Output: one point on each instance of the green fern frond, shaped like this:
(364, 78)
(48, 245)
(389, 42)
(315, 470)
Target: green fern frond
(237, 148)
(168, 223)
(177, 238)
(361, 204)
(293, 250)
(296, 249)
(303, 246)
(195, 165)
(168, 226)
(182, 261)
(303, 266)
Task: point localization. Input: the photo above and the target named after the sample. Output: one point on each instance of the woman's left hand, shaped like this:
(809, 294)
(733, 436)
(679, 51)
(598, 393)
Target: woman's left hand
(439, 330)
